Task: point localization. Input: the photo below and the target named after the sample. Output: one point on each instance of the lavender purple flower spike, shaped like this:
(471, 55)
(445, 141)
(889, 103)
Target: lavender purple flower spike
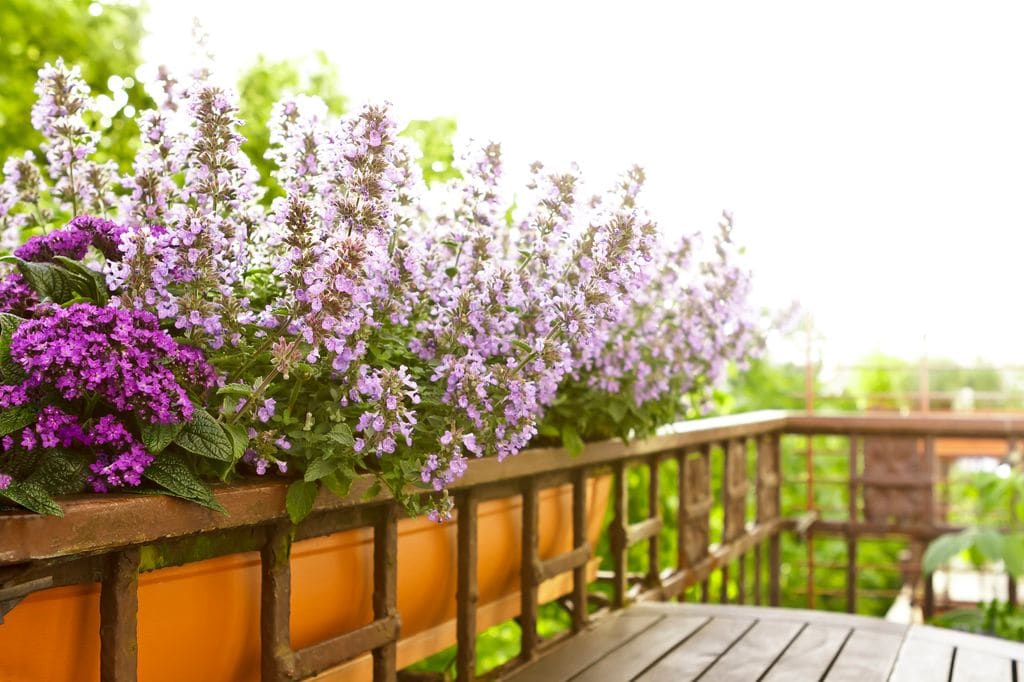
(361, 323)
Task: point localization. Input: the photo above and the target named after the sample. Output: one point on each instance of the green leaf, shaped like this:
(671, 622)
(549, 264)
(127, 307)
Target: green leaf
(320, 468)
(945, 547)
(87, 280)
(156, 437)
(244, 390)
(14, 418)
(33, 497)
(239, 437)
(617, 410)
(338, 483)
(990, 543)
(300, 499)
(1013, 554)
(204, 436)
(372, 492)
(571, 440)
(47, 280)
(10, 371)
(60, 472)
(342, 435)
(172, 474)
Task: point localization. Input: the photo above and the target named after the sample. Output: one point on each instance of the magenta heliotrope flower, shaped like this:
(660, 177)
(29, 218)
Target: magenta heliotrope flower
(118, 355)
(16, 296)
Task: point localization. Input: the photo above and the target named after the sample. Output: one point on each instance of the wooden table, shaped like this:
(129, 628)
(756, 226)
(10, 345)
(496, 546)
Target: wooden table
(679, 642)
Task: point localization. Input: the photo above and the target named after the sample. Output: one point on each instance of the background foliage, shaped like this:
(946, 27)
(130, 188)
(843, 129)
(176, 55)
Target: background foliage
(103, 38)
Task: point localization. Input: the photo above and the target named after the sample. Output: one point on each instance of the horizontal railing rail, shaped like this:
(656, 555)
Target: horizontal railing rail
(108, 540)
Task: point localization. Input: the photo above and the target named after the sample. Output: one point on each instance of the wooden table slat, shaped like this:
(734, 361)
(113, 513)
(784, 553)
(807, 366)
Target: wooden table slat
(867, 656)
(971, 665)
(677, 642)
(923, 660)
(691, 658)
(755, 652)
(639, 653)
(587, 648)
(810, 654)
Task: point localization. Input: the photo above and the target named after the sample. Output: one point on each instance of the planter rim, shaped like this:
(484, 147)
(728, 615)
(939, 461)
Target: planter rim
(96, 524)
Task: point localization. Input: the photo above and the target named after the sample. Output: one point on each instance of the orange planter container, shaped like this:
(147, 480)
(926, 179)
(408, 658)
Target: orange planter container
(200, 622)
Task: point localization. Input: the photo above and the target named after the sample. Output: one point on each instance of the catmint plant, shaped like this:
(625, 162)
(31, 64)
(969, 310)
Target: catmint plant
(165, 329)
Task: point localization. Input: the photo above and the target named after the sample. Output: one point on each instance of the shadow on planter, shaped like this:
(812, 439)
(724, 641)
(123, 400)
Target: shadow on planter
(200, 622)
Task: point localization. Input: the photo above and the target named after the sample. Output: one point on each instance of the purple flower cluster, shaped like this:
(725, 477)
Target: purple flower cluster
(120, 356)
(69, 243)
(119, 458)
(73, 241)
(384, 393)
(682, 348)
(16, 296)
(81, 184)
(265, 448)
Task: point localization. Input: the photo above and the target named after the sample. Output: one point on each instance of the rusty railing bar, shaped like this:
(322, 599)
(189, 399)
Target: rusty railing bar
(276, 657)
(119, 612)
(617, 537)
(467, 594)
(528, 583)
(579, 540)
(385, 590)
(321, 656)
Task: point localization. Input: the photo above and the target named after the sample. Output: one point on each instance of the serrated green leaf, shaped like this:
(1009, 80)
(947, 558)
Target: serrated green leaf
(239, 440)
(14, 418)
(244, 390)
(156, 437)
(175, 477)
(571, 440)
(372, 492)
(10, 371)
(320, 468)
(47, 280)
(33, 497)
(87, 280)
(60, 472)
(300, 499)
(341, 434)
(339, 483)
(204, 436)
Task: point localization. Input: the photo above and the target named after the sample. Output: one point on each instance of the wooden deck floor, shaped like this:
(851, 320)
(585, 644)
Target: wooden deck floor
(745, 643)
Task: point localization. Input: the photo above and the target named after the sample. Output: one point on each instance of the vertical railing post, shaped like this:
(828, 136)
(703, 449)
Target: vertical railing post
(579, 538)
(276, 661)
(682, 495)
(466, 594)
(774, 543)
(653, 578)
(734, 493)
(618, 536)
(851, 535)
(811, 505)
(1011, 580)
(528, 582)
(385, 587)
(119, 608)
(928, 609)
(769, 481)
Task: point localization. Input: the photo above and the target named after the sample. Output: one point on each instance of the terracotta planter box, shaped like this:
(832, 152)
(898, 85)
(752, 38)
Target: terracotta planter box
(200, 621)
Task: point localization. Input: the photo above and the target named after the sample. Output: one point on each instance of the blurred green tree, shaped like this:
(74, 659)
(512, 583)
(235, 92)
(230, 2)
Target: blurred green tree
(102, 38)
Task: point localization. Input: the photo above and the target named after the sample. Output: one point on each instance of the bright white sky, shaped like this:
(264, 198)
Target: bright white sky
(872, 153)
